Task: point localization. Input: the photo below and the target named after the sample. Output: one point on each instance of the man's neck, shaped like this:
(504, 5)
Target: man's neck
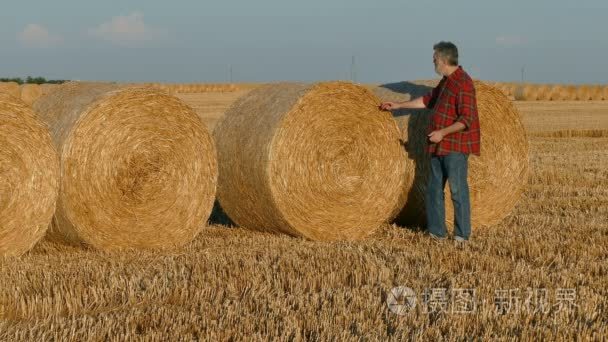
(450, 70)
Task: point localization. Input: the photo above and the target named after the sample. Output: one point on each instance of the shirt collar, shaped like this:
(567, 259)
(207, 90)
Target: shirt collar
(457, 73)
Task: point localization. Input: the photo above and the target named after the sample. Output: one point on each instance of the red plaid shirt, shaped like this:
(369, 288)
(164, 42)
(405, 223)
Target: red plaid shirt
(453, 100)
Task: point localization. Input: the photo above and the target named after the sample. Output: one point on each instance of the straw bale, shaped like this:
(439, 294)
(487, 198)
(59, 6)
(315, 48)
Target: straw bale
(557, 93)
(29, 177)
(138, 167)
(596, 93)
(526, 92)
(543, 92)
(570, 93)
(11, 88)
(30, 93)
(496, 178)
(583, 93)
(47, 88)
(319, 161)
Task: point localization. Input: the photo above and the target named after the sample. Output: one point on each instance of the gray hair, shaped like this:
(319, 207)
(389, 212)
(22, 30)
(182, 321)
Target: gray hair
(448, 51)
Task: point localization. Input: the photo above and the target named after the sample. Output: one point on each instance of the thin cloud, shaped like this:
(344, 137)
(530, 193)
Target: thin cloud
(38, 36)
(128, 30)
(510, 40)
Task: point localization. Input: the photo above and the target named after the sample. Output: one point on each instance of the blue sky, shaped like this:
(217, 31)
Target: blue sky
(269, 40)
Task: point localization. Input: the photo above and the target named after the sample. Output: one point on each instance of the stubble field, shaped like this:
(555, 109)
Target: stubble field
(541, 273)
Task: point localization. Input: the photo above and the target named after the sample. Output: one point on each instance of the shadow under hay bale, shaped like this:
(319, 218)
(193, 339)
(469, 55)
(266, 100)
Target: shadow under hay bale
(138, 167)
(219, 216)
(29, 177)
(496, 178)
(319, 161)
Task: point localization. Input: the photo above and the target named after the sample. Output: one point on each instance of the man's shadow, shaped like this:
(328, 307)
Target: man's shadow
(413, 124)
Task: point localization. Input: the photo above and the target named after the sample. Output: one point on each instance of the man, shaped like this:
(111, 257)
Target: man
(453, 134)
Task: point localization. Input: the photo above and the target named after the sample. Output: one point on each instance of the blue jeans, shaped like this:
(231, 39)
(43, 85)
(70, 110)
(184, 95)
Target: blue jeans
(452, 167)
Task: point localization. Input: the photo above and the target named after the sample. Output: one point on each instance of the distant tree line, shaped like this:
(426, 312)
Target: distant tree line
(29, 79)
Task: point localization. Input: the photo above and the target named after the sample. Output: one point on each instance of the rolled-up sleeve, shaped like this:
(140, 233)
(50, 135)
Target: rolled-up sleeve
(467, 107)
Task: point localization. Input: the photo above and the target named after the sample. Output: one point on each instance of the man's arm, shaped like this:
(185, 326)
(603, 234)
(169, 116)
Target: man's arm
(453, 128)
(426, 101)
(416, 103)
(467, 107)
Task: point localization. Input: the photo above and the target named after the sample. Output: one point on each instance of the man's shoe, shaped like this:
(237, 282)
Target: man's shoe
(460, 239)
(436, 237)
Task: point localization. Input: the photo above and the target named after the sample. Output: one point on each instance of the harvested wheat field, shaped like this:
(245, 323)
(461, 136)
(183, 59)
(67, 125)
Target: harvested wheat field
(212, 105)
(545, 116)
(538, 274)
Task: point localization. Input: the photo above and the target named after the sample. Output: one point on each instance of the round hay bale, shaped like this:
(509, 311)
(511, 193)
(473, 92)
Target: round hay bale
(319, 161)
(171, 89)
(167, 87)
(557, 93)
(570, 93)
(596, 93)
(526, 92)
(496, 178)
(504, 88)
(29, 177)
(138, 167)
(30, 93)
(543, 92)
(509, 88)
(48, 88)
(605, 93)
(11, 88)
(583, 93)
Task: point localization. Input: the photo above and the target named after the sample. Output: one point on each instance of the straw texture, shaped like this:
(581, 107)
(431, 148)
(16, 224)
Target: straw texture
(557, 93)
(583, 93)
(596, 93)
(30, 93)
(47, 88)
(319, 161)
(496, 178)
(29, 177)
(138, 167)
(543, 92)
(11, 88)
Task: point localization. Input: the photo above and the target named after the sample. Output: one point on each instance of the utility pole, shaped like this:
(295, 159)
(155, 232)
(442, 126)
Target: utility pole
(353, 70)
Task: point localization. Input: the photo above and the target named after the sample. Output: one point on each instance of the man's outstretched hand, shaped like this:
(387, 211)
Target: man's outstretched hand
(389, 106)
